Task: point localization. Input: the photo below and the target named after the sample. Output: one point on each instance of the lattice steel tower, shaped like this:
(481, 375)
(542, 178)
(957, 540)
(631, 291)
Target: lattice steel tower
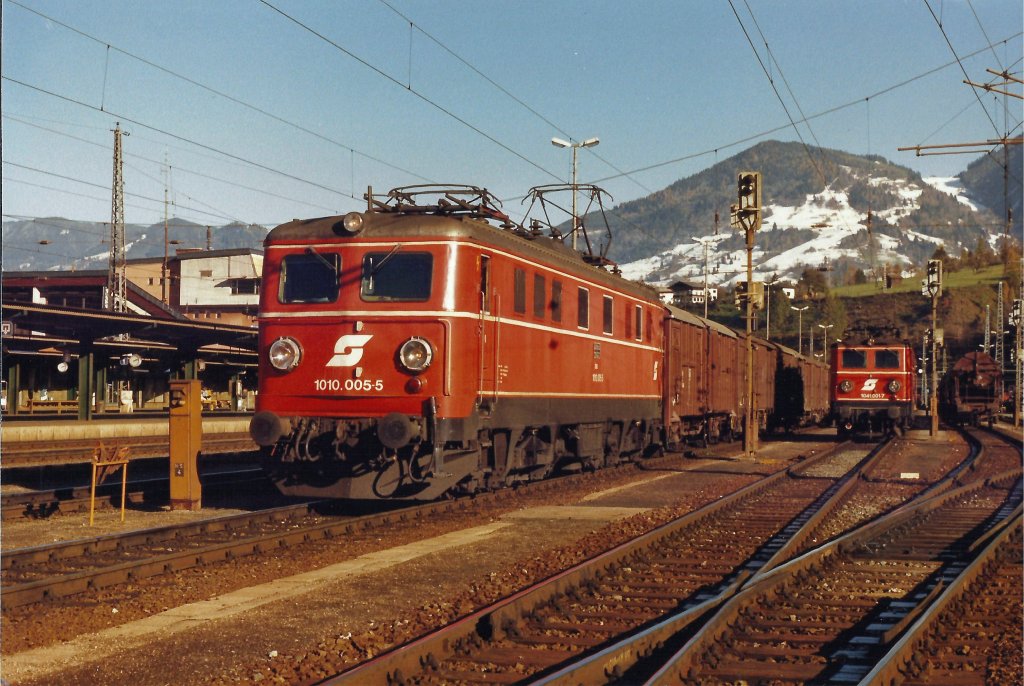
(115, 299)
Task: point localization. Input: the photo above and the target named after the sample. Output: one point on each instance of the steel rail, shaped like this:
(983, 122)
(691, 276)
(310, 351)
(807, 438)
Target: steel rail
(614, 660)
(894, 666)
(497, 620)
(84, 551)
(46, 503)
(679, 667)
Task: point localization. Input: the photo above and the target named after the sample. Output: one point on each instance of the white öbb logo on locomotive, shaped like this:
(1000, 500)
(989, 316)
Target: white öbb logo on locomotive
(869, 391)
(348, 350)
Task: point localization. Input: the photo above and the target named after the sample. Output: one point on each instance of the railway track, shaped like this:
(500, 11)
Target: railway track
(42, 454)
(676, 569)
(829, 616)
(58, 570)
(973, 618)
(570, 629)
(46, 503)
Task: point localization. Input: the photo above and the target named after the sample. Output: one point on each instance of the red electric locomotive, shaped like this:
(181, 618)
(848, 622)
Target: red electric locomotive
(429, 345)
(872, 387)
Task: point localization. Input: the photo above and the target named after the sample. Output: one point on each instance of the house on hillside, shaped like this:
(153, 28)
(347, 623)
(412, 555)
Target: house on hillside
(683, 294)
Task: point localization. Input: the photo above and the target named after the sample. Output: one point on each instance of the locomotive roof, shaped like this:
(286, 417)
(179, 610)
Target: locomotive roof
(396, 227)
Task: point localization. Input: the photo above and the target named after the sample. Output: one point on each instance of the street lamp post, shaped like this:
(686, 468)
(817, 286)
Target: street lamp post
(824, 337)
(800, 328)
(589, 143)
(768, 308)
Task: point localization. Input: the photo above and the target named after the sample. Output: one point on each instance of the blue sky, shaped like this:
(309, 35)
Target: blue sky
(261, 120)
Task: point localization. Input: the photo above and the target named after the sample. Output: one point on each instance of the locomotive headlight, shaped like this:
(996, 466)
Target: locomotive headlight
(415, 355)
(894, 386)
(284, 354)
(845, 386)
(353, 222)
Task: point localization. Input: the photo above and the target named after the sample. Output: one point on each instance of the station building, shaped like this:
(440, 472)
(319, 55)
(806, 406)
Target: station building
(190, 316)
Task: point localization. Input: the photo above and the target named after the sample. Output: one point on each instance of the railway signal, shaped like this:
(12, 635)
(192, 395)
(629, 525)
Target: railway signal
(933, 289)
(746, 217)
(746, 214)
(933, 283)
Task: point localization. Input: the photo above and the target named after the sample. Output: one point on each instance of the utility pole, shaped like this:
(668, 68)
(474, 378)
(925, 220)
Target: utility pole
(704, 242)
(746, 216)
(1000, 333)
(934, 288)
(116, 270)
(1016, 315)
(167, 245)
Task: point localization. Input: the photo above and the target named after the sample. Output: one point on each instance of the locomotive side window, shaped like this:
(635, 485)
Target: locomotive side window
(639, 312)
(397, 276)
(855, 359)
(556, 301)
(608, 315)
(583, 308)
(887, 359)
(311, 277)
(519, 291)
(540, 299)
(485, 283)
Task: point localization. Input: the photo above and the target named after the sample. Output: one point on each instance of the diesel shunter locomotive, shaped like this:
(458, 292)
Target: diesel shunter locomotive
(430, 346)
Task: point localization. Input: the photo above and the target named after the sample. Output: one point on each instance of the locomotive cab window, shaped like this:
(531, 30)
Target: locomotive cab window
(855, 359)
(887, 359)
(310, 277)
(397, 276)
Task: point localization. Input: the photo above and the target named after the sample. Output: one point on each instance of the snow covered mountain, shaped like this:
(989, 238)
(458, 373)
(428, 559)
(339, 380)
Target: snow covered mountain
(810, 224)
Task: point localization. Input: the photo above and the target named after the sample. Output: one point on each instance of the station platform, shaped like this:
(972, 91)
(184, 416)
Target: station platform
(36, 431)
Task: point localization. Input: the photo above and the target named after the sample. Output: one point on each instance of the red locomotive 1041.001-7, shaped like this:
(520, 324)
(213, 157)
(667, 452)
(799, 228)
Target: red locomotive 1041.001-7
(872, 389)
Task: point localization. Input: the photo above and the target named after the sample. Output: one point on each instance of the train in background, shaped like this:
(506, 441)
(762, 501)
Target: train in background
(430, 346)
(872, 389)
(971, 391)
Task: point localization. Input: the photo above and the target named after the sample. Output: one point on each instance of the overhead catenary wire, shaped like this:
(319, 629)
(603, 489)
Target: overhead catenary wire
(409, 89)
(214, 91)
(532, 110)
(782, 127)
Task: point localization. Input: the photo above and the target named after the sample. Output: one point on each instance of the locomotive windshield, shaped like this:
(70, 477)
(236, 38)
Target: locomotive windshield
(887, 359)
(397, 276)
(311, 277)
(854, 359)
